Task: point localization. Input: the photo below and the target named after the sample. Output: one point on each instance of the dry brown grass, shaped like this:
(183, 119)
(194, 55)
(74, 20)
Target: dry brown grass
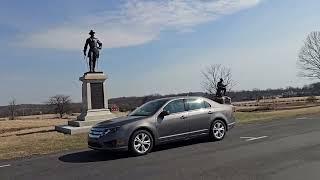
(17, 125)
(39, 143)
(277, 101)
(281, 114)
(22, 138)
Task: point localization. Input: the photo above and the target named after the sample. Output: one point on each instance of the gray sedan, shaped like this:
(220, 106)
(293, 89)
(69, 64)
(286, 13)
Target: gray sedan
(161, 121)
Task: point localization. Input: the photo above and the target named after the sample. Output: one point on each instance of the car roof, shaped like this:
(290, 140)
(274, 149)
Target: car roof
(180, 97)
(213, 103)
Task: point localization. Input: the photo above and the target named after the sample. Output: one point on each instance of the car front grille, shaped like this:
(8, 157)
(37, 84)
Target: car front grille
(96, 132)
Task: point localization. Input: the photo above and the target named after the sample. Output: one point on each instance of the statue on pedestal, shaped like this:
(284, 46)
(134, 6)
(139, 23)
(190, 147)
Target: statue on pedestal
(93, 54)
(221, 93)
(94, 93)
(221, 89)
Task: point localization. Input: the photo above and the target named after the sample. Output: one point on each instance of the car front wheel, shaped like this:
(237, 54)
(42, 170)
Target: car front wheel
(141, 142)
(218, 130)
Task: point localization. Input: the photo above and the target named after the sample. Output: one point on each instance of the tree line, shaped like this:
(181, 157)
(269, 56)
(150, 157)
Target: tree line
(63, 105)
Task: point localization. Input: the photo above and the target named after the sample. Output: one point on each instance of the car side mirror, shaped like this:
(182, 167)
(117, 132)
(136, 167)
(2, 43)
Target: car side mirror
(164, 113)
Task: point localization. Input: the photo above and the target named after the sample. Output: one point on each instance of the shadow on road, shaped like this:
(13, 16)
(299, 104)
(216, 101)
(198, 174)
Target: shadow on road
(93, 156)
(178, 144)
(96, 156)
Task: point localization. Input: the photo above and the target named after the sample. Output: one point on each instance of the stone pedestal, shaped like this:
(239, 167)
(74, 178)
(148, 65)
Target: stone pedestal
(223, 100)
(94, 104)
(94, 97)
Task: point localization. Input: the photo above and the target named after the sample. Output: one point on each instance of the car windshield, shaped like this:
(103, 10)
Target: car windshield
(149, 109)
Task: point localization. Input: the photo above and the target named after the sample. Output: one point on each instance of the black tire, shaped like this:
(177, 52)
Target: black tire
(134, 143)
(218, 130)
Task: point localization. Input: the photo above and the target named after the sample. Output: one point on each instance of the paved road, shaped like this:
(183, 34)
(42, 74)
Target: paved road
(286, 149)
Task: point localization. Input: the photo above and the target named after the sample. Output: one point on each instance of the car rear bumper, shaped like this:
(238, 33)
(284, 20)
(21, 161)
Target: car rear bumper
(231, 125)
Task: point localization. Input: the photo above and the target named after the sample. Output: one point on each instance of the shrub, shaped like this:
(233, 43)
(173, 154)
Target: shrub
(311, 99)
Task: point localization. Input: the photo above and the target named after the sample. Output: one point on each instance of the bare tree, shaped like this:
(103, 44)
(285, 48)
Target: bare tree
(309, 56)
(211, 76)
(61, 104)
(12, 109)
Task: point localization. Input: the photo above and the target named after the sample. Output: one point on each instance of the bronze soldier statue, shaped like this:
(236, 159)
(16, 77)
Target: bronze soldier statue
(221, 88)
(94, 46)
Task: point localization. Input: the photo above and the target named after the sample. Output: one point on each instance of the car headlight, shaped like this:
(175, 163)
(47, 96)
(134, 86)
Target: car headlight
(110, 130)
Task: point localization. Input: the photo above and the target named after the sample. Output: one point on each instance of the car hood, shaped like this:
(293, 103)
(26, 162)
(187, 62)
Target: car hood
(120, 121)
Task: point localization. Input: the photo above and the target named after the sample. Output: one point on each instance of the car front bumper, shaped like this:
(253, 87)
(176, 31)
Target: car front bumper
(107, 144)
(113, 141)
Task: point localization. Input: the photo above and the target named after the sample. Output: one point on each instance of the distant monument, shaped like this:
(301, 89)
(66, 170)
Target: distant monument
(221, 89)
(94, 93)
(221, 93)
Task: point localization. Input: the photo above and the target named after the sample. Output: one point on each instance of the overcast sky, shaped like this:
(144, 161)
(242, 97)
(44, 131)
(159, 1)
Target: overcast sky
(157, 46)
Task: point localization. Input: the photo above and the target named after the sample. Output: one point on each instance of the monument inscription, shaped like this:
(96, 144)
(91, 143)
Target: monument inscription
(97, 95)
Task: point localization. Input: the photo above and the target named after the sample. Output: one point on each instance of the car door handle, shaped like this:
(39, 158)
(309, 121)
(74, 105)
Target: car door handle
(183, 117)
(210, 112)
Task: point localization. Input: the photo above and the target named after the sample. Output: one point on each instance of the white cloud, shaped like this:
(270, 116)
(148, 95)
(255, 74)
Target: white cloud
(135, 22)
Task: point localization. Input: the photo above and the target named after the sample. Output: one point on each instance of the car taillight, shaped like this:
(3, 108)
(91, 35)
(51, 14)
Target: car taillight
(233, 109)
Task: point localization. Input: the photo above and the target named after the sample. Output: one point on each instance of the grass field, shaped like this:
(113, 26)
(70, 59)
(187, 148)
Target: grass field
(11, 127)
(23, 138)
(39, 143)
(245, 117)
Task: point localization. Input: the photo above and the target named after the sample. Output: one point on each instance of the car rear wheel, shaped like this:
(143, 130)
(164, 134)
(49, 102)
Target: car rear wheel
(218, 130)
(141, 142)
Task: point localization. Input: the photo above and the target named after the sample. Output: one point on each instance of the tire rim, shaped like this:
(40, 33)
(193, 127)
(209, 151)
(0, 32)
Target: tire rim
(142, 143)
(218, 130)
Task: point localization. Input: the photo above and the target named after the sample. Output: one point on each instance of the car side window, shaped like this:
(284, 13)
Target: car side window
(194, 104)
(175, 106)
(206, 104)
